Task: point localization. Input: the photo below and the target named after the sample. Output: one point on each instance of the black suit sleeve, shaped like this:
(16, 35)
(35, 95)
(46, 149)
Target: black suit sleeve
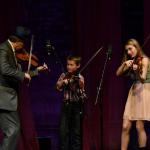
(6, 68)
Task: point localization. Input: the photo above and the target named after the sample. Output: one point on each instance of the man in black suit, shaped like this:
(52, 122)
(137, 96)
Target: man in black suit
(10, 77)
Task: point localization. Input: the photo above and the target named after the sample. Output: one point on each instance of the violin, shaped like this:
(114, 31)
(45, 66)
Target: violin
(138, 61)
(24, 56)
(72, 77)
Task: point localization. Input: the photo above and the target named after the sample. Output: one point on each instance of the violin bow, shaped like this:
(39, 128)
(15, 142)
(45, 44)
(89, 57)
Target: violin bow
(90, 60)
(30, 55)
(146, 40)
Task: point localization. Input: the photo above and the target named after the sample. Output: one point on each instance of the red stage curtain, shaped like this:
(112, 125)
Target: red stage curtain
(98, 24)
(28, 138)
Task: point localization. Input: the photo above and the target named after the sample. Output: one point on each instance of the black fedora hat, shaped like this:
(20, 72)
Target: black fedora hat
(22, 33)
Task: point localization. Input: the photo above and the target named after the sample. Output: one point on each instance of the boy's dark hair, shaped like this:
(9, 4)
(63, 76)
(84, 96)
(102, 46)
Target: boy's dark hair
(76, 59)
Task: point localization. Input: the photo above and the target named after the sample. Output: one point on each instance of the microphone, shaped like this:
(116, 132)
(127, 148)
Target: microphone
(49, 47)
(109, 52)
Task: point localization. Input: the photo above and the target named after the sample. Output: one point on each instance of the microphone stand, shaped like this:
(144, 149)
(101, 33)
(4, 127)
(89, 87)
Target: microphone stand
(51, 49)
(58, 60)
(98, 93)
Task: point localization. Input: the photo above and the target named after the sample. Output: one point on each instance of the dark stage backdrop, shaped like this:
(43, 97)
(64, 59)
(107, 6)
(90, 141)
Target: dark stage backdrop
(77, 26)
(98, 24)
(146, 26)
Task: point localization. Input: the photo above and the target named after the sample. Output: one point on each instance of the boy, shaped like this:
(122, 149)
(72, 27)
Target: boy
(72, 84)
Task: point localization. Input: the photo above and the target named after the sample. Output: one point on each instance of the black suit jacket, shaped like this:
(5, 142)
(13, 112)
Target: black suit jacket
(10, 77)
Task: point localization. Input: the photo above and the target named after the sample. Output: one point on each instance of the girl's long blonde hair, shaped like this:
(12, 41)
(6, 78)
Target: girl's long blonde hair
(138, 58)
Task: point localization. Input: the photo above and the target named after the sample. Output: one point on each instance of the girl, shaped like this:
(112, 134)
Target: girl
(136, 65)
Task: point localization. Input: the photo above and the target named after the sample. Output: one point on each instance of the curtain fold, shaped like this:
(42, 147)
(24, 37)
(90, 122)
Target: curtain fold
(28, 137)
(97, 23)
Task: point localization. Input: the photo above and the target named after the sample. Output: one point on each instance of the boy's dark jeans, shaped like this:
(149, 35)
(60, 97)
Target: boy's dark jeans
(71, 126)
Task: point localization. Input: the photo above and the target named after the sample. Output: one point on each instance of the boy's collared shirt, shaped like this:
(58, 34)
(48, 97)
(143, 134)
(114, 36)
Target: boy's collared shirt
(74, 90)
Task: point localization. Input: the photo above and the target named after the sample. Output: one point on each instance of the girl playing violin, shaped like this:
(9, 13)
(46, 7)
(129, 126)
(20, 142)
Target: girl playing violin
(136, 65)
(72, 84)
